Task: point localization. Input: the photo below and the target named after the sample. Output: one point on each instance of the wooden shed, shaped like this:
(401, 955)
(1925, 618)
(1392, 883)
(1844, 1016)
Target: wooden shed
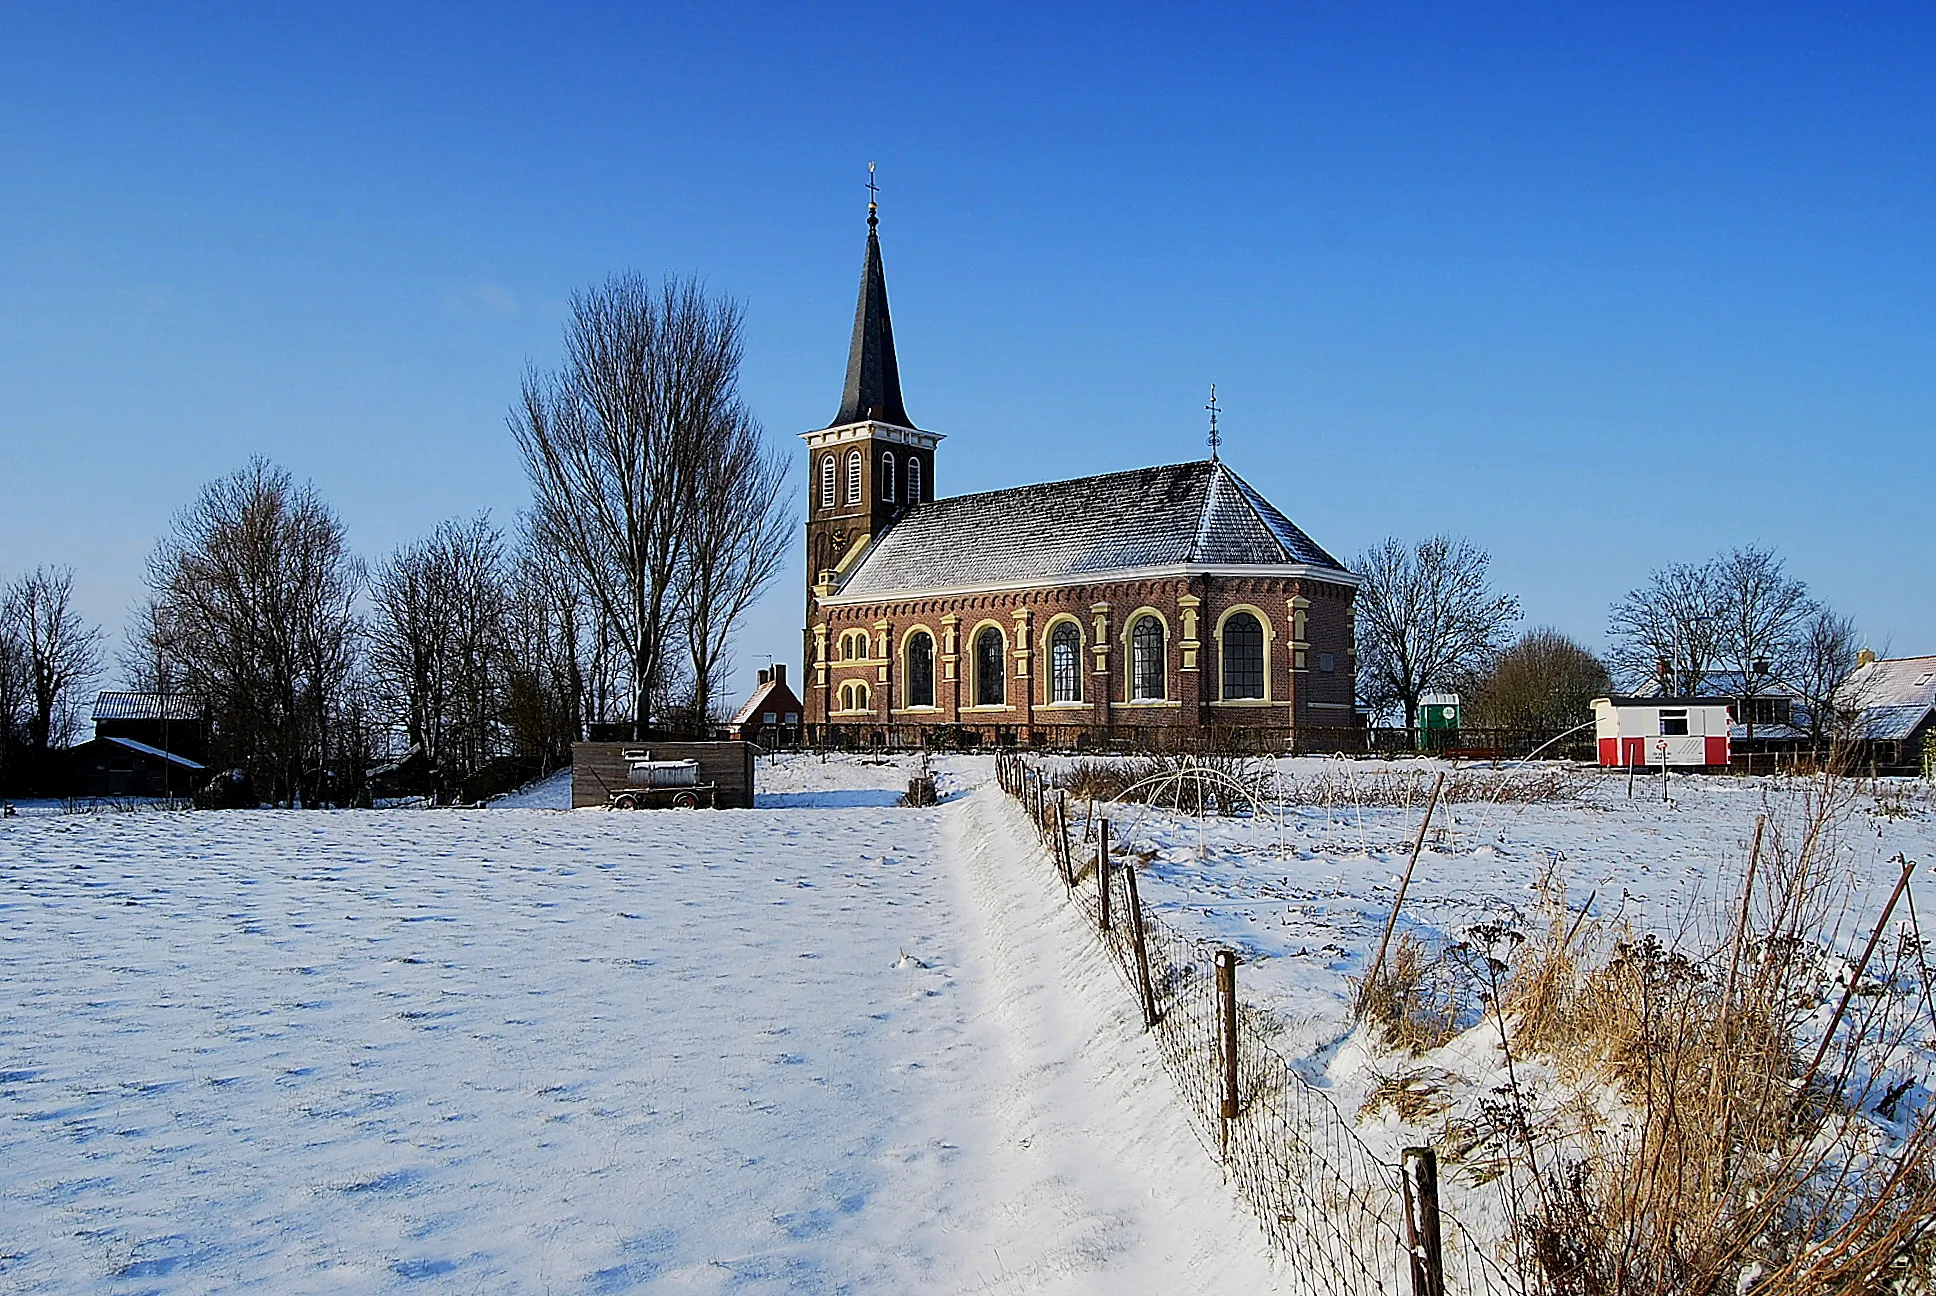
(598, 769)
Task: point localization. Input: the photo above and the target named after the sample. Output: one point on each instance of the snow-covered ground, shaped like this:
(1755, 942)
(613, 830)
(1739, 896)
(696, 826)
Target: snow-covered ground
(1304, 894)
(1306, 907)
(830, 1044)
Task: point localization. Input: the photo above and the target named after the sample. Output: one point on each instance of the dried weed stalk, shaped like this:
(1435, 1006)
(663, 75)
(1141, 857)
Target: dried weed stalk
(1747, 1152)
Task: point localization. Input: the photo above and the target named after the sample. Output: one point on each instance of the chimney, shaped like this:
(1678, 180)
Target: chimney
(779, 672)
(1865, 658)
(764, 677)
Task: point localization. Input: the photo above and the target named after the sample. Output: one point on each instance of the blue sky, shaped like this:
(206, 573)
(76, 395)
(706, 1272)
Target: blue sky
(1600, 287)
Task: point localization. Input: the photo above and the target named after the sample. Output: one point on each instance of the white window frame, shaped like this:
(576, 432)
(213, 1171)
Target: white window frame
(855, 467)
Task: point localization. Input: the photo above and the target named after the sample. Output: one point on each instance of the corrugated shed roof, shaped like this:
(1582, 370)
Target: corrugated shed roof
(1194, 513)
(1895, 695)
(147, 706)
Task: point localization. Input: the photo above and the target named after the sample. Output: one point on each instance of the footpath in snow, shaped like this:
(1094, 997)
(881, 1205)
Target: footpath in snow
(831, 1044)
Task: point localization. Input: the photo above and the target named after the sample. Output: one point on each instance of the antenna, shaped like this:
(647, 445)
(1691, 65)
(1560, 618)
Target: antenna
(873, 198)
(1215, 439)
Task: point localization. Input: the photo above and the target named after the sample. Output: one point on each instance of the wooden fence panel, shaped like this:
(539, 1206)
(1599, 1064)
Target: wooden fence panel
(598, 769)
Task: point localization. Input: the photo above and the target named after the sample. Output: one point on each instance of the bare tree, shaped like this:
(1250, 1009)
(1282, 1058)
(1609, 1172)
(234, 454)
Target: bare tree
(14, 697)
(1823, 659)
(1544, 683)
(1763, 612)
(439, 643)
(557, 679)
(62, 654)
(613, 443)
(741, 527)
(1427, 619)
(255, 587)
(1669, 630)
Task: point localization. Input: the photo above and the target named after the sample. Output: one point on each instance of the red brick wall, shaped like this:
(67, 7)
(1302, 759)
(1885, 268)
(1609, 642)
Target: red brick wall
(1299, 694)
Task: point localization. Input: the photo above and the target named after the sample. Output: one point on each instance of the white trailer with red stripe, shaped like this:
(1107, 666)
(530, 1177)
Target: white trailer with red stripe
(1651, 732)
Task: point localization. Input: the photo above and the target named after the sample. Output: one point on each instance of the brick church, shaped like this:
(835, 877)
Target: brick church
(1151, 607)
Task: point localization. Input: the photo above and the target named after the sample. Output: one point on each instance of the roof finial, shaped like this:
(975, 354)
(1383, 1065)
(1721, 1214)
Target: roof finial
(873, 199)
(1215, 440)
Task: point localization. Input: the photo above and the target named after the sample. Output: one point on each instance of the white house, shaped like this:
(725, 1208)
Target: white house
(1662, 731)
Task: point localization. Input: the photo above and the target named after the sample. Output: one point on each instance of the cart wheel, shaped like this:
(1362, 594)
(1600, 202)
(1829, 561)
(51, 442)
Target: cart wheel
(685, 801)
(625, 801)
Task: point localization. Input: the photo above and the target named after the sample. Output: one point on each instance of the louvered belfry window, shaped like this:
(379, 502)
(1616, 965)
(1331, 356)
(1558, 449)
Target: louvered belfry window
(1146, 660)
(1243, 658)
(920, 671)
(1065, 664)
(887, 476)
(991, 665)
(827, 475)
(853, 477)
(914, 480)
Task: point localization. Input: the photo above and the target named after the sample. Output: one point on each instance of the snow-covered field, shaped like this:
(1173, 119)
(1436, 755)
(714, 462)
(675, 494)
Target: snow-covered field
(1306, 908)
(830, 1044)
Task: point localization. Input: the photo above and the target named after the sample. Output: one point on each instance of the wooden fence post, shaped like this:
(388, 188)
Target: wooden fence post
(1102, 874)
(1227, 1019)
(1062, 853)
(1419, 1172)
(1142, 950)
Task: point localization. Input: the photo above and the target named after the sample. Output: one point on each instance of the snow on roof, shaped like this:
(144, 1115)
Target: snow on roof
(147, 706)
(1194, 513)
(156, 752)
(1724, 684)
(1895, 694)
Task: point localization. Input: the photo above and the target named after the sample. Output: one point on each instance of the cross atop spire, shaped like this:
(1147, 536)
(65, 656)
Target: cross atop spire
(873, 388)
(1215, 439)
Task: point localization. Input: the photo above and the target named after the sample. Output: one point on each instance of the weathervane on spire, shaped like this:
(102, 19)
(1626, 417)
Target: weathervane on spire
(873, 198)
(1215, 439)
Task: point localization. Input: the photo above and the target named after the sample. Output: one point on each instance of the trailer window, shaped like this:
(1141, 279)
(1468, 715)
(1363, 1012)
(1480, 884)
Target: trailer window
(1673, 722)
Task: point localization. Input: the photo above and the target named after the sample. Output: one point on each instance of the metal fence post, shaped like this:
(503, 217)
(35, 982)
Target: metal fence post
(1419, 1172)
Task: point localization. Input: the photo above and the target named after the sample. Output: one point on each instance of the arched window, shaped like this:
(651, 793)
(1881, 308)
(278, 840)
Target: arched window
(853, 477)
(920, 671)
(991, 668)
(827, 482)
(1065, 663)
(887, 476)
(1146, 659)
(860, 697)
(914, 480)
(1243, 657)
(846, 697)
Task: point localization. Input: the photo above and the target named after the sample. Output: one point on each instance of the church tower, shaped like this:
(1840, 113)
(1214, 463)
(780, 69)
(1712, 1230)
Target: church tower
(871, 463)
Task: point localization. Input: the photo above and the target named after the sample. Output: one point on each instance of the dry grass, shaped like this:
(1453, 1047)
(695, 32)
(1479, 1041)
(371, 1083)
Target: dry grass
(1192, 784)
(1736, 1162)
(1411, 788)
(1419, 999)
(1415, 1095)
(1111, 778)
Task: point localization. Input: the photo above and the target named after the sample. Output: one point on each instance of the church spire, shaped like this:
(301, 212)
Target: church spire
(873, 377)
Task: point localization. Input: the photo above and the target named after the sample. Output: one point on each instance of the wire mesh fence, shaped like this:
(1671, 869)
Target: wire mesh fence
(1330, 1206)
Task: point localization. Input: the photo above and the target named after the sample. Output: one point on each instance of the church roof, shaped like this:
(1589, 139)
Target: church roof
(1195, 514)
(873, 388)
